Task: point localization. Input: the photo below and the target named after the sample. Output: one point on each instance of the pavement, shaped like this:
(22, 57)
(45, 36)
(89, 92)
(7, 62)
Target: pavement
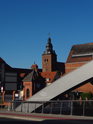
(40, 116)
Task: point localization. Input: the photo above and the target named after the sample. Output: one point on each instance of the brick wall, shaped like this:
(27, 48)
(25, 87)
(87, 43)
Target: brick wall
(88, 87)
(71, 59)
(27, 85)
(49, 63)
(72, 66)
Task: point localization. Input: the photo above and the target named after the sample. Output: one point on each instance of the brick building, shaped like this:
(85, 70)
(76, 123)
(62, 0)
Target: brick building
(23, 83)
(49, 60)
(78, 56)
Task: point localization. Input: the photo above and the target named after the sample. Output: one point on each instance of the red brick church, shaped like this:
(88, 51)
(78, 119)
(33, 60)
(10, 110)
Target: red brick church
(78, 56)
(18, 83)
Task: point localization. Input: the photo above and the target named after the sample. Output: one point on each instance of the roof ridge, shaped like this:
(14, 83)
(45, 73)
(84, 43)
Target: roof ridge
(82, 44)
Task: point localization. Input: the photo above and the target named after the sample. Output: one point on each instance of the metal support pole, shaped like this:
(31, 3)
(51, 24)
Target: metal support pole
(28, 108)
(83, 108)
(12, 106)
(61, 107)
(35, 108)
(21, 106)
(14, 103)
(8, 108)
(42, 107)
(71, 108)
(51, 108)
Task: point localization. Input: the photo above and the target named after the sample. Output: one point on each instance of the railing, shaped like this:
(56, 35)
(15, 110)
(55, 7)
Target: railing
(66, 107)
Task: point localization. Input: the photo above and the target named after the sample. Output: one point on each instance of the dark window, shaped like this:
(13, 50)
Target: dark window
(45, 60)
(27, 93)
(11, 86)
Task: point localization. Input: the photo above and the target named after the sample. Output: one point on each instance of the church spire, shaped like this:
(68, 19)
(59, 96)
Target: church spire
(49, 58)
(49, 47)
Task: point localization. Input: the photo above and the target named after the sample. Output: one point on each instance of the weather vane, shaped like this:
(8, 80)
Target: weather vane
(49, 34)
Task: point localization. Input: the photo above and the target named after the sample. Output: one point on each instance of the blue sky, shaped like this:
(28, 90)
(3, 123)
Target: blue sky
(25, 25)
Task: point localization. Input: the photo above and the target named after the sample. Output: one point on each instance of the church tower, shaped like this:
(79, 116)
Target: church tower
(49, 58)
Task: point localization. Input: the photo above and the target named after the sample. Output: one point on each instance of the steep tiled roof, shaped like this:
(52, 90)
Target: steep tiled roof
(80, 53)
(49, 75)
(83, 48)
(32, 76)
(29, 77)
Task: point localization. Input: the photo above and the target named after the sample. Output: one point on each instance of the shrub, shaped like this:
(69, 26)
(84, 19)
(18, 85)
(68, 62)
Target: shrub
(89, 96)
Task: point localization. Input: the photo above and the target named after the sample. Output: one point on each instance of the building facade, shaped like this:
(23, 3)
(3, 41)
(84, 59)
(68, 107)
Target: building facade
(78, 56)
(18, 83)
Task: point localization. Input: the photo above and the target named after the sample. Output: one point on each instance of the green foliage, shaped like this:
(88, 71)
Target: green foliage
(89, 96)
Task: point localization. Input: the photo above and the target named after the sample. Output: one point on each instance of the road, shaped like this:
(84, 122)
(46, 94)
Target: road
(7, 120)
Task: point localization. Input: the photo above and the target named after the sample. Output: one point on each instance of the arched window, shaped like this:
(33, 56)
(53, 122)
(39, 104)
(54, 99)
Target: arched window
(27, 93)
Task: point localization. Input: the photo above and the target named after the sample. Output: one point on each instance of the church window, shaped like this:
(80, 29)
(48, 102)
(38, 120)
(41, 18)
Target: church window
(27, 93)
(45, 60)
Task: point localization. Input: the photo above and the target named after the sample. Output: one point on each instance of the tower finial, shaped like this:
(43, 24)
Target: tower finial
(49, 38)
(49, 47)
(49, 34)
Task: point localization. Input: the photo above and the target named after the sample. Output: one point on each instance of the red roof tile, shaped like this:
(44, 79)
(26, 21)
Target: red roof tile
(48, 75)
